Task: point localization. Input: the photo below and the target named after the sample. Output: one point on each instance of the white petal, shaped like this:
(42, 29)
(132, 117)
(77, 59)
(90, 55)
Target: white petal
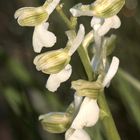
(55, 80)
(77, 135)
(52, 6)
(42, 37)
(116, 22)
(77, 12)
(52, 83)
(109, 23)
(78, 40)
(22, 11)
(112, 71)
(88, 114)
(96, 23)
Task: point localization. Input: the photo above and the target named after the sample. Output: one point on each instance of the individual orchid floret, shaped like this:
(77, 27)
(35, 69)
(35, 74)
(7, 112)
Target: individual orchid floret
(33, 16)
(100, 8)
(111, 71)
(37, 17)
(55, 122)
(78, 134)
(103, 27)
(88, 114)
(42, 37)
(56, 62)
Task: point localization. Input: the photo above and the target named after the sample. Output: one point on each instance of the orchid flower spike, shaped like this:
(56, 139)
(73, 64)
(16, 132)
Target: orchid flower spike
(56, 63)
(37, 16)
(78, 134)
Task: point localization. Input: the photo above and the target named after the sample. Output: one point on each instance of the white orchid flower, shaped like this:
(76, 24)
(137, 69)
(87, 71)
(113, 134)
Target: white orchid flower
(56, 63)
(88, 114)
(55, 80)
(78, 134)
(42, 37)
(104, 17)
(37, 16)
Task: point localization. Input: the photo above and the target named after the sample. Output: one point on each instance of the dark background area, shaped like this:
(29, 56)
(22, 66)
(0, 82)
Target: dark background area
(23, 96)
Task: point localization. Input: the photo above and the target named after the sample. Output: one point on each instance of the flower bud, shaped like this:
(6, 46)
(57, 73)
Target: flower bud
(86, 88)
(31, 16)
(55, 122)
(107, 8)
(52, 62)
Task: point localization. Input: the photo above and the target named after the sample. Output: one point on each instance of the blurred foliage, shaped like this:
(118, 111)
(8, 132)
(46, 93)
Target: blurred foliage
(23, 96)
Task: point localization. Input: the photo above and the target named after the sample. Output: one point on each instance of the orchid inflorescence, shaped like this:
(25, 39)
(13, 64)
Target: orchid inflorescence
(84, 111)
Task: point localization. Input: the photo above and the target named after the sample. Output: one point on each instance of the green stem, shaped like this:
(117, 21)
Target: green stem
(108, 122)
(64, 17)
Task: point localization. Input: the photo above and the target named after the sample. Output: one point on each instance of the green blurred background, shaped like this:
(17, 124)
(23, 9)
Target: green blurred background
(23, 96)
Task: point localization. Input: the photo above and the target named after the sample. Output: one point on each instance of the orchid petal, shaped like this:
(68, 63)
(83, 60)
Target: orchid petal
(23, 10)
(88, 114)
(51, 6)
(112, 71)
(42, 37)
(96, 23)
(109, 23)
(78, 40)
(55, 80)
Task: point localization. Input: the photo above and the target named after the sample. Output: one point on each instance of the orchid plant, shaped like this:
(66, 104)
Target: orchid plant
(89, 104)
